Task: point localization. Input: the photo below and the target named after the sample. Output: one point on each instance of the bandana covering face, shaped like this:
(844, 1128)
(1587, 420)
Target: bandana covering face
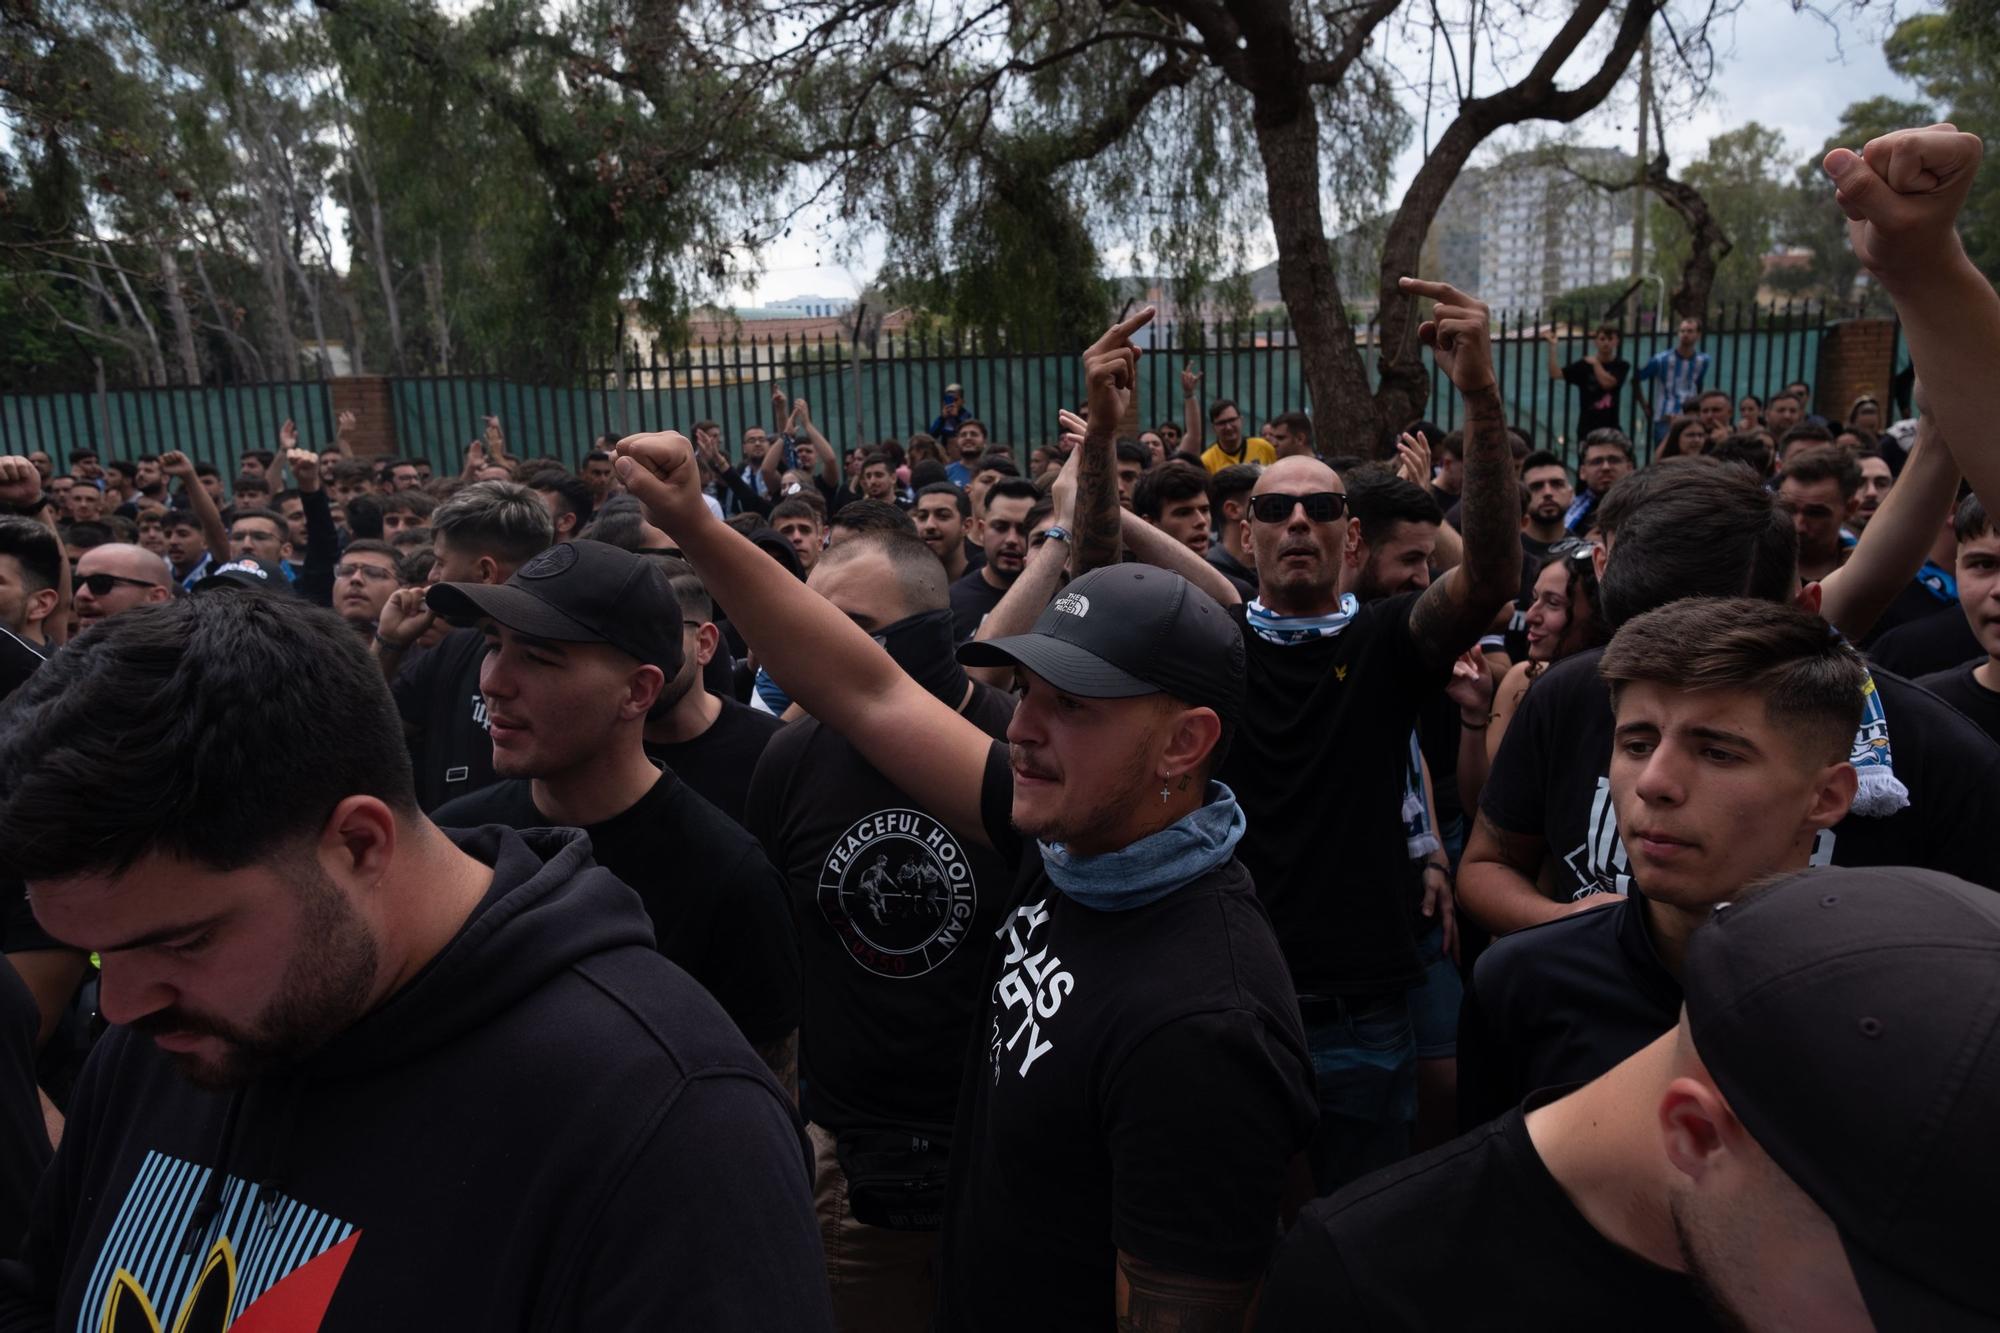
(1153, 867)
(1285, 631)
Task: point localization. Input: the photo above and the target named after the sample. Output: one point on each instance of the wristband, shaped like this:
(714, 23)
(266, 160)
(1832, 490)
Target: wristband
(1469, 726)
(1057, 533)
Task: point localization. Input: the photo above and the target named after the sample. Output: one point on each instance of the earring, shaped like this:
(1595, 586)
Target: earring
(1163, 793)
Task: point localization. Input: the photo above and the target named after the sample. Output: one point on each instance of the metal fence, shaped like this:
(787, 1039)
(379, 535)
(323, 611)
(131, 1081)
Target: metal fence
(894, 386)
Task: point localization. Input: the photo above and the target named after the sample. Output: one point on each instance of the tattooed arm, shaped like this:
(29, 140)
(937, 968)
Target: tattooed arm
(1455, 610)
(1154, 1300)
(1111, 375)
(782, 1056)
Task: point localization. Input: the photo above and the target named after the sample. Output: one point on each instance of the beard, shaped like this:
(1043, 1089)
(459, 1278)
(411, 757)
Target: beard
(1700, 1274)
(1081, 812)
(325, 988)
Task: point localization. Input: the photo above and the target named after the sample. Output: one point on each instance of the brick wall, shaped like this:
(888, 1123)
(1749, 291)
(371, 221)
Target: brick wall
(367, 397)
(1854, 359)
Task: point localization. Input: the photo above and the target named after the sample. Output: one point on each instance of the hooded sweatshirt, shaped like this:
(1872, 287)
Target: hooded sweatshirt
(550, 1127)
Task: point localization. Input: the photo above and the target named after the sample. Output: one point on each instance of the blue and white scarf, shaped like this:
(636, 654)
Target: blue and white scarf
(1880, 792)
(1579, 508)
(1418, 835)
(1153, 867)
(1285, 631)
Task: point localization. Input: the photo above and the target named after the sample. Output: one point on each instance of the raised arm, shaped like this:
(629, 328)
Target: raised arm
(21, 492)
(1148, 544)
(1110, 376)
(781, 413)
(1454, 611)
(177, 464)
(1896, 540)
(1193, 437)
(824, 457)
(322, 537)
(824, 661)
(1549, 345)
(1902, 194)
(1031, 590)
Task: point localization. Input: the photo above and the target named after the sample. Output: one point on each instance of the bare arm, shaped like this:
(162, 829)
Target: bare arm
(1154, 547)
(1449, 553)
(1549, 345)
(1605, 379)
(1896, 540)
(1193, 438)
(1454, 611)
(1017, 612)
(824, 457)
(1902, 194)
(823, 660)
(1155, 1300)
(177, 464)
(1496, 879)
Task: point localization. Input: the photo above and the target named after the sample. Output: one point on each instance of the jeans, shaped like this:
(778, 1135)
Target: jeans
(1364, 1054)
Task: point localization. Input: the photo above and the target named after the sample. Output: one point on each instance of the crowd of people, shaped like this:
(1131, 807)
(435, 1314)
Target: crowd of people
(1186, 880)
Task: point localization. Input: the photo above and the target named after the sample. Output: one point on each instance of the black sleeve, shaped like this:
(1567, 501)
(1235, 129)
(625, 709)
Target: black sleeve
(753, 953)
(1485, 1089)
(746, 494)
(1308, 1290)
(413, 685)
(1202, 1120)
(744, 1250)
(1515, 797)
(1580, 374)
(996, 806)
(322, 548)
(31, 1279)
(24, 1140)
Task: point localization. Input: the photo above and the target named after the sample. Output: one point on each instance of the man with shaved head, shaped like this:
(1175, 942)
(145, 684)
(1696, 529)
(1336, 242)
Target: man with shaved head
(117, 577)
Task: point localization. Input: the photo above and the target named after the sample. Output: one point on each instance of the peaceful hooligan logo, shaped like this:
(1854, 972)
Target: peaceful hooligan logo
(897, 890)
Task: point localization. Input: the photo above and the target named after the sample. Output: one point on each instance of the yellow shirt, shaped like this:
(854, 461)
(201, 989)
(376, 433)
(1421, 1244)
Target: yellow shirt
(1256, 449)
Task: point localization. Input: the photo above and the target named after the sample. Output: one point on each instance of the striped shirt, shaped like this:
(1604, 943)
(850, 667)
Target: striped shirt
(1681, 378)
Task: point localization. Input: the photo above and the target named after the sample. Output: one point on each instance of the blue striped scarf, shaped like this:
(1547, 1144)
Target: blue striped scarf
(1285, 631)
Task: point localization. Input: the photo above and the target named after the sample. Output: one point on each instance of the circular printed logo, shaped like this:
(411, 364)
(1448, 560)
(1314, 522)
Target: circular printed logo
(550, 562)
(898, 892)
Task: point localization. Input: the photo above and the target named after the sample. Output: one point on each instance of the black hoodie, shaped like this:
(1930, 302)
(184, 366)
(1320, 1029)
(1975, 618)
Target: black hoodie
(550, 1127)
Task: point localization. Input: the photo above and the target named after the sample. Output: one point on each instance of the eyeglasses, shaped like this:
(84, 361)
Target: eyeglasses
(373, 573)
(100, 585)
(1276, 506)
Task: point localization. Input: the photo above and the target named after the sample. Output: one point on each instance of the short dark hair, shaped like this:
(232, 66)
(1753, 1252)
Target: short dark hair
(621, 523)
(1378, 499)
(1012, 488)
(1232, 482)
(1685, 527)
(262, 457)
(874, 516)
(1172, 481)
(1810, 680)
(1542, 458)
(352, 474)
(1451, 446)
(373, 546)
(407, 502)
(697, 607)
(271, 516)
(1131, 451)
(1745, 447)
(1707, 394)
(1298, 423)
(1000, 463)
(73, 749)
(1810, 431)
(129, 471)
(497, 518)
(597, 456)
(807, 505)
(1971, 522)
(569, 491)
(1221, 405)
(1607, 435)
(83, 536)
(1823, 462)
(927, 473)
(938, 488)
(873, 457)
(35, 547)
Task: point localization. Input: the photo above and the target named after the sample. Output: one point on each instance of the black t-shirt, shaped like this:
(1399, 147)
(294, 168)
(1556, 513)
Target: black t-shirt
(1319, 765)
(1596, 406)
(437, 692)
(1558, 1004)
(895, 915)
(717, 905)
(972, 597)
(1958, 688)
(24, 1141)
(1549, 778)
(1244, 577)
(1475, 1235)
(718, 763)
(1913, 603)
(1138, 1082)
(1927, 645)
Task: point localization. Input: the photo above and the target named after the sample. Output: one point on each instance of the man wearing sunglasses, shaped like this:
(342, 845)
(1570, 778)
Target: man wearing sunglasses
(117, 577)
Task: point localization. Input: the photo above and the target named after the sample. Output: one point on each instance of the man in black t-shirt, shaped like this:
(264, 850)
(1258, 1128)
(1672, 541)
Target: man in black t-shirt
(1808, 1146)
(1139, 1081)
(709, 741)
(1734, 720)
(1974, 688)
(481, 535)
(1003, 531)
(1599, 379)
(578, 644)
(895, 912)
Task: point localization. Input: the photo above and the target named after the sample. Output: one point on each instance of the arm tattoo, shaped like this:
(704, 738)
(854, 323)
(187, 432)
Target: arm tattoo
(1097, 522)
(1456, 610)
(782, 1056)
(1158, 1301)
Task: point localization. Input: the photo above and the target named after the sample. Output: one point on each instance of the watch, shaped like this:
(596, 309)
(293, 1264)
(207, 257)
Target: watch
(1056, 533)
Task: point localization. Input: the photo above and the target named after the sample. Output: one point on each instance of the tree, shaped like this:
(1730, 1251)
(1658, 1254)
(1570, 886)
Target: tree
(1816, 222)
(1955, 57)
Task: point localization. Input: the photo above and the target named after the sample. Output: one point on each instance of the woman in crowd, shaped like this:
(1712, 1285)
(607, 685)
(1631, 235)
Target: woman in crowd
(1685, 435)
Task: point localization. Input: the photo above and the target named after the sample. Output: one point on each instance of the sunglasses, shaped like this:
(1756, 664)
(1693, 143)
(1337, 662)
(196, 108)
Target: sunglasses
(1576, 548)
(1276, 506)
(100, 585)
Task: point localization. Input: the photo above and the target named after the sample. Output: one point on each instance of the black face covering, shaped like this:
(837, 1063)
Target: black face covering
(922, 645)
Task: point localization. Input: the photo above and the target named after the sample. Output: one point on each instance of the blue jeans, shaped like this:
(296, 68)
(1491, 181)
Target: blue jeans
(1364, 1054)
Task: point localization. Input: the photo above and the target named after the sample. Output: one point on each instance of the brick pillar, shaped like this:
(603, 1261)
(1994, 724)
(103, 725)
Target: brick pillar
(1854, 359)
(368, 398)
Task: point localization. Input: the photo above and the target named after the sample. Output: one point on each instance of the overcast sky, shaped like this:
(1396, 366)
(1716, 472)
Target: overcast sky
(1788, 70)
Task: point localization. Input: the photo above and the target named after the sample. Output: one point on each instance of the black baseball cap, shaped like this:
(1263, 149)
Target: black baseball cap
(245, 573)
(579, 592)
(1852, 1018)
(1127, 630)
